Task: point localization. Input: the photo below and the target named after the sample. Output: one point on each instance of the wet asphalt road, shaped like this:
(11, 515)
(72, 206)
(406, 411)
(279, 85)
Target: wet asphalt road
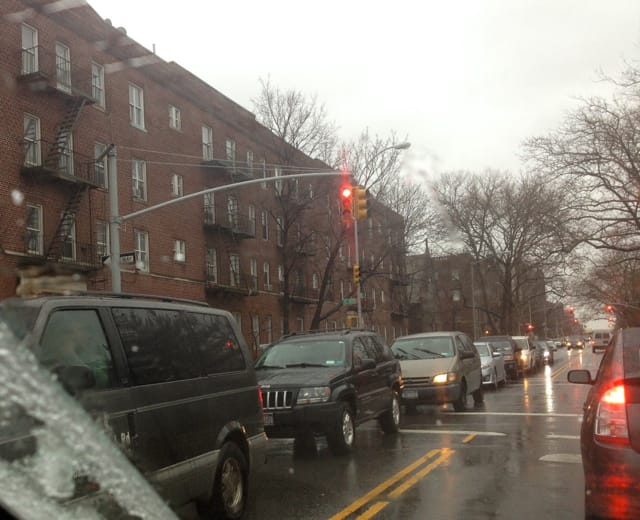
(517, 457)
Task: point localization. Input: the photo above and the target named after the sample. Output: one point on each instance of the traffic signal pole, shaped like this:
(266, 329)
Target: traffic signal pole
(358, 284)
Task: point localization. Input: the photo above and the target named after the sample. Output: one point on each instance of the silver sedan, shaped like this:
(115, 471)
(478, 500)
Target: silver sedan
(493, 372)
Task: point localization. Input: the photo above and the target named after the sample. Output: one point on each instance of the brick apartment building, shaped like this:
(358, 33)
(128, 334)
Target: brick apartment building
(71, 84)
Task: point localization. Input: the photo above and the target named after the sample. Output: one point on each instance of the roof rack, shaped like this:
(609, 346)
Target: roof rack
(136, 296)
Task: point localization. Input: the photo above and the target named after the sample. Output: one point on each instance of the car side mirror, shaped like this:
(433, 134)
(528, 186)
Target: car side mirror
(367, 364)
(75, 378)
(580, 377)
(465, 354)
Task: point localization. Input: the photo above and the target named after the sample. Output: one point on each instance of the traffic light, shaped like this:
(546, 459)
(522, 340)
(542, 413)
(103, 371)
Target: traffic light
(356, 274)
(608, 308)
(529, 327)
(360, 202)
(571, 309)
(346, 201)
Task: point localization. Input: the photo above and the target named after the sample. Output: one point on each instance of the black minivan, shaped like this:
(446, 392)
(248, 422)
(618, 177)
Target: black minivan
(172, 382)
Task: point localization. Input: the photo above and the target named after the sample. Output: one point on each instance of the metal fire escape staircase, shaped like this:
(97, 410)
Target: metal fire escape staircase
(60, 146)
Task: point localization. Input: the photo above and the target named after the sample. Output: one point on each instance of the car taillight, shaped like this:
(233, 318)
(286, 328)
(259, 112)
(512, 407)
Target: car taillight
(611, 417)
(261, 399)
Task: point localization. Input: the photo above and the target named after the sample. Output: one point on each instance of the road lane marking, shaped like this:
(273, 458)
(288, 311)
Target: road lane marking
(517, 414)
(413, 480)
(458, 432)
(571, 458)
(373, 510)
(469, 438)
(380, 488)
(562, 436)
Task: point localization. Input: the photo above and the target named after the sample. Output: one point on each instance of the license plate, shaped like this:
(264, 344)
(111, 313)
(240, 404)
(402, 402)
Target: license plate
(268, 419)
(410, 394)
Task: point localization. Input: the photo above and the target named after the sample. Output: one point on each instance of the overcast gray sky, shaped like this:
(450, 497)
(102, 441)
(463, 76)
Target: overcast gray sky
(466, 81)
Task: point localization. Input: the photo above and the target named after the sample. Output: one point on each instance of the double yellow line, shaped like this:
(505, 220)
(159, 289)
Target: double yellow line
(400, 482)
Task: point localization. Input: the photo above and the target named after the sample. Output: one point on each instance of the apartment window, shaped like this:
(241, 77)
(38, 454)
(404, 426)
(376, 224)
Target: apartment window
(68, 235)
(342, 289)
(370, 228)
(63, 67)
(232, 212)
(177, 185)
(100, 164)
(281, 274)
(212, 265)
(277, 172)
(255, 329)
(381, 295)
(264, 174)
(139, 177)
(252, 220)
(300, 322)
(268, 328)
(31, 140)
(310, 192)
(209, 209)
(175, 121)
(34, 229)
(238, 317)
(250, 163)
(279, 232)
(266, 275)
(207, 143)
(141, 248)
(102, 240)
(265, 225)
(136, 106)
(65, 156)
(456, 295)
(29, 49)
(253, 269)
(230, 153)
(179, 251)
(234, 270)
(373, 296)
(97, 84)
(455, 275)
(315, 281)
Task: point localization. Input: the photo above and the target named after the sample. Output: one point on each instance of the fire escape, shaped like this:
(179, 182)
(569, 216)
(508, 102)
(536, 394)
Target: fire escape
(47, 73)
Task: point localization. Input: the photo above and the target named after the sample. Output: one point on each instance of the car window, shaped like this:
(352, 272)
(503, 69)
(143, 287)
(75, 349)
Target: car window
(75, 337)
(429, 347)
(374, 348)
(359, 352)
(303, 352)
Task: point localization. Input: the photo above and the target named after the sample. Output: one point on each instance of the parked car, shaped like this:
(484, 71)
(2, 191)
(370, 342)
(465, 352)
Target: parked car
(510, 351)
(548, 352)
(172, 381)
(493, 371)
(575, 342)
(439, 368)
(600, 340)
(610, 432)
(527, 353)
(327, 383)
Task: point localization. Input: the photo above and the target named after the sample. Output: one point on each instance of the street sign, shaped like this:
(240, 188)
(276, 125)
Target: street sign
(349, 301)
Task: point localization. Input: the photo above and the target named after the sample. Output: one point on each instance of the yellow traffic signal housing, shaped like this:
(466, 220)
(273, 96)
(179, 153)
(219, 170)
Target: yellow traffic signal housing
(356, 274)
(360, 203)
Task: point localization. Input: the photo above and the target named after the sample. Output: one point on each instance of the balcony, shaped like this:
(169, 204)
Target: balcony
(44, 71)
(304, 295)
(236, 225)
(224, 281)
(60, 164)
(233, 170)
(76, 256)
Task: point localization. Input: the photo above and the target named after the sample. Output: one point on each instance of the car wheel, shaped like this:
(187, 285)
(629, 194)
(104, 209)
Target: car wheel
(390, 420)
(461, 404)
(478, 396)
(343, 434)
(230, 487)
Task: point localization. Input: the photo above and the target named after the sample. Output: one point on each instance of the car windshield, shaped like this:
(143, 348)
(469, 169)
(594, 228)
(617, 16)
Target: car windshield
(304, 353)
(483, 349)
(423, 348)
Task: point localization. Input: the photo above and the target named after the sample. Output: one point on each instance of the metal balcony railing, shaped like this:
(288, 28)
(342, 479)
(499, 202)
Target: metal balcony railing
(226, 280)
(82, 256)
(232, 222)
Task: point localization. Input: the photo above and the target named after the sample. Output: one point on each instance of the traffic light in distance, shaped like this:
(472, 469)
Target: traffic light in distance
(608, 308)
(571, 309)
(529, 327)
(360, 195)
(346, 202)
(356, 274)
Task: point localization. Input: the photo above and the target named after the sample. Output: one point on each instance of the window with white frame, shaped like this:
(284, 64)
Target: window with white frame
(381, 295)
(97, 84)
(250, 163)
(100, 164)
(300, 322)
(141, 249)
(456, 295)
(373, 297)
(230, 153)
(212, 265)
(315, 281)
(139, 179)
(32, 155)
(179, 250)
(265, 225)
(281, 274)
(255, 329)
(177, 185)
(252, 219)
(253, 270)
(63, 67)
(136, 106)
(277, 172)
(65, 156)
(102, 240)
(29, 49)
(234, 270)
(279, 232)
(455, 275)
(342, 289)
(34, 229)
(264, 174)
(68, 236)
(209, 208)
(266, 275)
(175, 120)
(310, 192)
(232, 212)
(207, 143)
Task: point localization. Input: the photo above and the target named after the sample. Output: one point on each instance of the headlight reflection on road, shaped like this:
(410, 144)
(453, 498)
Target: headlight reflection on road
(548, 390)
(527, 402)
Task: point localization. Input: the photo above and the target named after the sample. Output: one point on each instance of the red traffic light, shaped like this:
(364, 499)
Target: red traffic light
(529, 327)
(608, 308)
(345, 192)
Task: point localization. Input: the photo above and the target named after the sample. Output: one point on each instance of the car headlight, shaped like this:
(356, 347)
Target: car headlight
(314, 394)
(546, 353)
(444, 378)
(524, 356)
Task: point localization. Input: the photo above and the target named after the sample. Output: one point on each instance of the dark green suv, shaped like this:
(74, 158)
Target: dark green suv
(326, 383)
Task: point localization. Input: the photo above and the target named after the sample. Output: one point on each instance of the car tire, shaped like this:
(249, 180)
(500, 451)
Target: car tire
(460, 405)
(478, 396)
(390, 420)
(342, 437)
(230, 485)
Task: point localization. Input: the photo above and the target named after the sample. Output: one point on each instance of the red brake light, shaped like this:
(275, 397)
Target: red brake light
(614, 395)
(611, 417)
